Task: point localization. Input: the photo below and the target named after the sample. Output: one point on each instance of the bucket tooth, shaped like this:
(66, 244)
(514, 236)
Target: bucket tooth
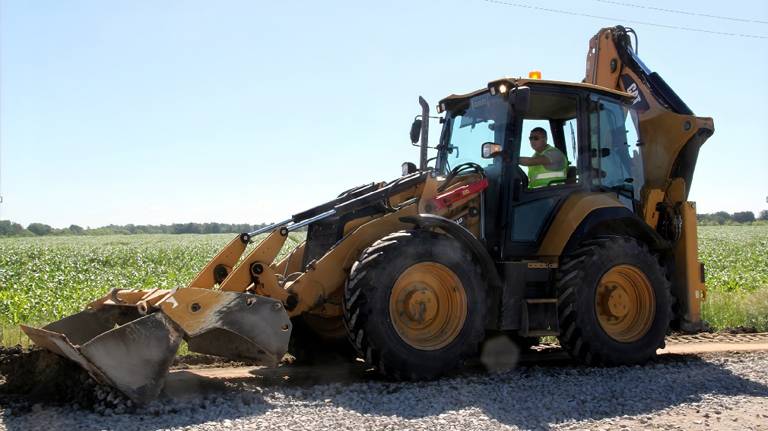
(134, 357)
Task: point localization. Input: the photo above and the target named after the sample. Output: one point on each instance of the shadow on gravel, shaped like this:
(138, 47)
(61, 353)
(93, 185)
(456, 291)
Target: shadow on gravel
(559, 391)
(529, 397)
(209, 402)
(40, 390)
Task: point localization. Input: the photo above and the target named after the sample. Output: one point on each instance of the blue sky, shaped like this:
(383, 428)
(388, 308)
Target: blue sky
(152, 112)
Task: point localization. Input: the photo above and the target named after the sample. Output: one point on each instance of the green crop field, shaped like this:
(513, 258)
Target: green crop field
(44, 279)
(736, 260)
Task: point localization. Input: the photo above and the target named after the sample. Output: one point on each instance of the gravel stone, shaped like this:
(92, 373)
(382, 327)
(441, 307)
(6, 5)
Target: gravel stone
(715, 391)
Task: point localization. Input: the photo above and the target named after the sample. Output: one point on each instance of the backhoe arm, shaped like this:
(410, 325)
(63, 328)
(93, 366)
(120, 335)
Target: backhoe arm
(670, 138)
(671, 133)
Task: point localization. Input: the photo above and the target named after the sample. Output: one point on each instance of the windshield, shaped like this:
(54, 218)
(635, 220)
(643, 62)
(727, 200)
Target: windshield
(479, 119)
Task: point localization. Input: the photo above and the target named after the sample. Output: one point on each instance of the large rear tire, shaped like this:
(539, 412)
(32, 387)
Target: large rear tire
(614, 302)
(415, 305)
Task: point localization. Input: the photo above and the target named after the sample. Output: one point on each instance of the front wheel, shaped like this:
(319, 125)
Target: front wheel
(614, 302)
(414, 305)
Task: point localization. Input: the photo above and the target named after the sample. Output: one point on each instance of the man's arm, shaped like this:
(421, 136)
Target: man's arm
(533, 161)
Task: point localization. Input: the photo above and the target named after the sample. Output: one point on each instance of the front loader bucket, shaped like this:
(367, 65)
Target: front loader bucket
(124, 349)
(230, 324)
(133, 357)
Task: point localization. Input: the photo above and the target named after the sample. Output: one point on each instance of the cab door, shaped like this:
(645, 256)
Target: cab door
(529, 211)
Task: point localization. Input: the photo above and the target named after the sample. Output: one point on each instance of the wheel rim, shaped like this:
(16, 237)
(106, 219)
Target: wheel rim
(428, 306)
(625, 303)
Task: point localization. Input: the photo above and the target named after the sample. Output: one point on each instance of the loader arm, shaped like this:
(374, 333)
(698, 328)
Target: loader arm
(670, 138)
(238, 306)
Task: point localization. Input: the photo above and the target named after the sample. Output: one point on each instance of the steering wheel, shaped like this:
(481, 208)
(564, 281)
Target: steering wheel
(463, 167)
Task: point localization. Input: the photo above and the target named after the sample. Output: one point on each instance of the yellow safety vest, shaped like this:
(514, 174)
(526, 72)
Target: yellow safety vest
(540, 176)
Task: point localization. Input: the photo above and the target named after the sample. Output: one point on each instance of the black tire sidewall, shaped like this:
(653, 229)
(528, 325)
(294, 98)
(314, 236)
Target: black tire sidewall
(611, 351)
(422, 246)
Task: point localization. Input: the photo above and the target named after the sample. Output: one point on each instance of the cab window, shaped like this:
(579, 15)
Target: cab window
(557, 115)
(615, 158)
(483, 118)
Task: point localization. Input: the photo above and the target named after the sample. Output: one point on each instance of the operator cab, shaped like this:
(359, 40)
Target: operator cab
(589, 125)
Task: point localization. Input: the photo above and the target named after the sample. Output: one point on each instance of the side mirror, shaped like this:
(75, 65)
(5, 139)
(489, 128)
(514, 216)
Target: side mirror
(520, 98)
(490, 150)
(408, 168)
(415, 131)
(604, 152)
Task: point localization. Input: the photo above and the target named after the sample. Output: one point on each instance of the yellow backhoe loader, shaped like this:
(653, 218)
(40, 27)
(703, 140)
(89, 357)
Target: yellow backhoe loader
(414, 273)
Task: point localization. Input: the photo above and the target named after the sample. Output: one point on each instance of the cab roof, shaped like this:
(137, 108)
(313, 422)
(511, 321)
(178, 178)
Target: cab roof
(520, 82)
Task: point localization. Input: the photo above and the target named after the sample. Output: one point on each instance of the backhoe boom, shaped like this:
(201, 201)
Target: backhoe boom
(670, 138)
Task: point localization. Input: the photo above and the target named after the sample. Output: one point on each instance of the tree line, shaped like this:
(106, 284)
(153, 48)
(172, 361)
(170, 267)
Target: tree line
(722, 217)
(9, 228)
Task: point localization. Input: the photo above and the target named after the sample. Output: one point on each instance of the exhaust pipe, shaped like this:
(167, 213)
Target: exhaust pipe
(424, 133)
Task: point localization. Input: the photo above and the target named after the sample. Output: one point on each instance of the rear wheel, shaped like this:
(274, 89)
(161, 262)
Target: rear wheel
(614, 302)
(414, 305)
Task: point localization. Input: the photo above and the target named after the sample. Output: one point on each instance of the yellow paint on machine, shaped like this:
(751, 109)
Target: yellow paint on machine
(227, 257)
(688, 284)
(575, 209)
(264, 253)
(194, 310)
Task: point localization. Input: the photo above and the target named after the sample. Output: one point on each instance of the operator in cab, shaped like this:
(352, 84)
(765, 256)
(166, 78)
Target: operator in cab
(548, 165)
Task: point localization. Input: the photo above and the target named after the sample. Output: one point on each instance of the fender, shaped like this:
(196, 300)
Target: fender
(587, 214)
(464, 236)
(615, 221)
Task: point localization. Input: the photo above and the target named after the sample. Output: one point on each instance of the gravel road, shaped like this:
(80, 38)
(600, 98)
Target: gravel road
(713, 391)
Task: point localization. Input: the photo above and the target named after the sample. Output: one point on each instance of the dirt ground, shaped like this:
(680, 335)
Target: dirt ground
(38, 376)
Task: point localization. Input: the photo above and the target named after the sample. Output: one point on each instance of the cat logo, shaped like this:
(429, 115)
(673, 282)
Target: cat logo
(634, 92)
(639, 104)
